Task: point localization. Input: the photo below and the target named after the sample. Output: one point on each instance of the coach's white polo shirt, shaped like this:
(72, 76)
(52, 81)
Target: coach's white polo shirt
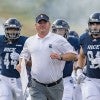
(44, 69)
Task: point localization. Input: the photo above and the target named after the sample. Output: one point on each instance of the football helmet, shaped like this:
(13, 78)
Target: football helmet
(73, 34)
(94, 19)
(12, 28)
(59, 26)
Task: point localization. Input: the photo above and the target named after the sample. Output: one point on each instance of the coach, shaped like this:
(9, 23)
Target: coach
(48, 52)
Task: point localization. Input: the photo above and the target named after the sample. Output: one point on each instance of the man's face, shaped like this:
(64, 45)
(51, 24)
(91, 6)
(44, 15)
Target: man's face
(94, 29)
(60, 31)
(12, 33)
(42, 26)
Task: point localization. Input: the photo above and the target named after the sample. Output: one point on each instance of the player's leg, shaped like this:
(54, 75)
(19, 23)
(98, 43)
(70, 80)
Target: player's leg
(68, 88)
(90, 90)
(17, 89)
(5, 92)
(77, 93)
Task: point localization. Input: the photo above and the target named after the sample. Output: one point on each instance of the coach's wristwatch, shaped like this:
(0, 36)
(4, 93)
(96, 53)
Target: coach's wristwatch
(60, 58)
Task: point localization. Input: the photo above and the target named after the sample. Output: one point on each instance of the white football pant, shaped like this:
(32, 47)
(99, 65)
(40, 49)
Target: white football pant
(10, 89)
(91, 89)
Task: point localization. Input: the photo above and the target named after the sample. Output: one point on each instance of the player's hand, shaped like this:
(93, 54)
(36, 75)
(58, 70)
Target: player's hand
(14, 55)
(18, 68)
(96, 61)
(80, 76)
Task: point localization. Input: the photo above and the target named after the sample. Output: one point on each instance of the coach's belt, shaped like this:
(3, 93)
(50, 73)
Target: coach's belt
(51, 84)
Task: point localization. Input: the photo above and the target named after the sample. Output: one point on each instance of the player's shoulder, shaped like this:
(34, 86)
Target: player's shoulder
(84, 38)
(74, 42)
(84, 35)
(2, 37)
(72, 39)
(73, 34)
(22, 38)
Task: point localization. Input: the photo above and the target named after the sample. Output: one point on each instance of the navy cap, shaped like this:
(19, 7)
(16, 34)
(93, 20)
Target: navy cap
(42, 17)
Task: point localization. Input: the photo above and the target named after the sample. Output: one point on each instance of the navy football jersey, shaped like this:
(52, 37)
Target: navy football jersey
(91, 48)
(9, 55)
(69, 64)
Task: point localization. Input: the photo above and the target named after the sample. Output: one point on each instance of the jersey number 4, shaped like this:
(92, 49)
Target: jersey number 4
(8, 62)
(91, 58)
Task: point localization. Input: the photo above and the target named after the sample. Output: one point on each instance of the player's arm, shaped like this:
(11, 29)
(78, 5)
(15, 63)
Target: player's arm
(18, 66)
(79, 67)
(80, 63)
(81, 59)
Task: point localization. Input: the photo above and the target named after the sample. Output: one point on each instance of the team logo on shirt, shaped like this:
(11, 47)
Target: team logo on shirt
(9, 49)
(50, 45)
(91, 47)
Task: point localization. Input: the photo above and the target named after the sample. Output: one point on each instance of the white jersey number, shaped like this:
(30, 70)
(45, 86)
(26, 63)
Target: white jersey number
(7, 62)
(91, 58)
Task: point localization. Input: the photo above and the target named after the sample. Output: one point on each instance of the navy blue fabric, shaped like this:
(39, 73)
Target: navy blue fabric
(69, 64)
(91, 48)
(7, 62)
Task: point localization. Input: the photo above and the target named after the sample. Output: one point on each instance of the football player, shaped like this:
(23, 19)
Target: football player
(90, 55)
(73, 34)
(61, 27)
(11, 45)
